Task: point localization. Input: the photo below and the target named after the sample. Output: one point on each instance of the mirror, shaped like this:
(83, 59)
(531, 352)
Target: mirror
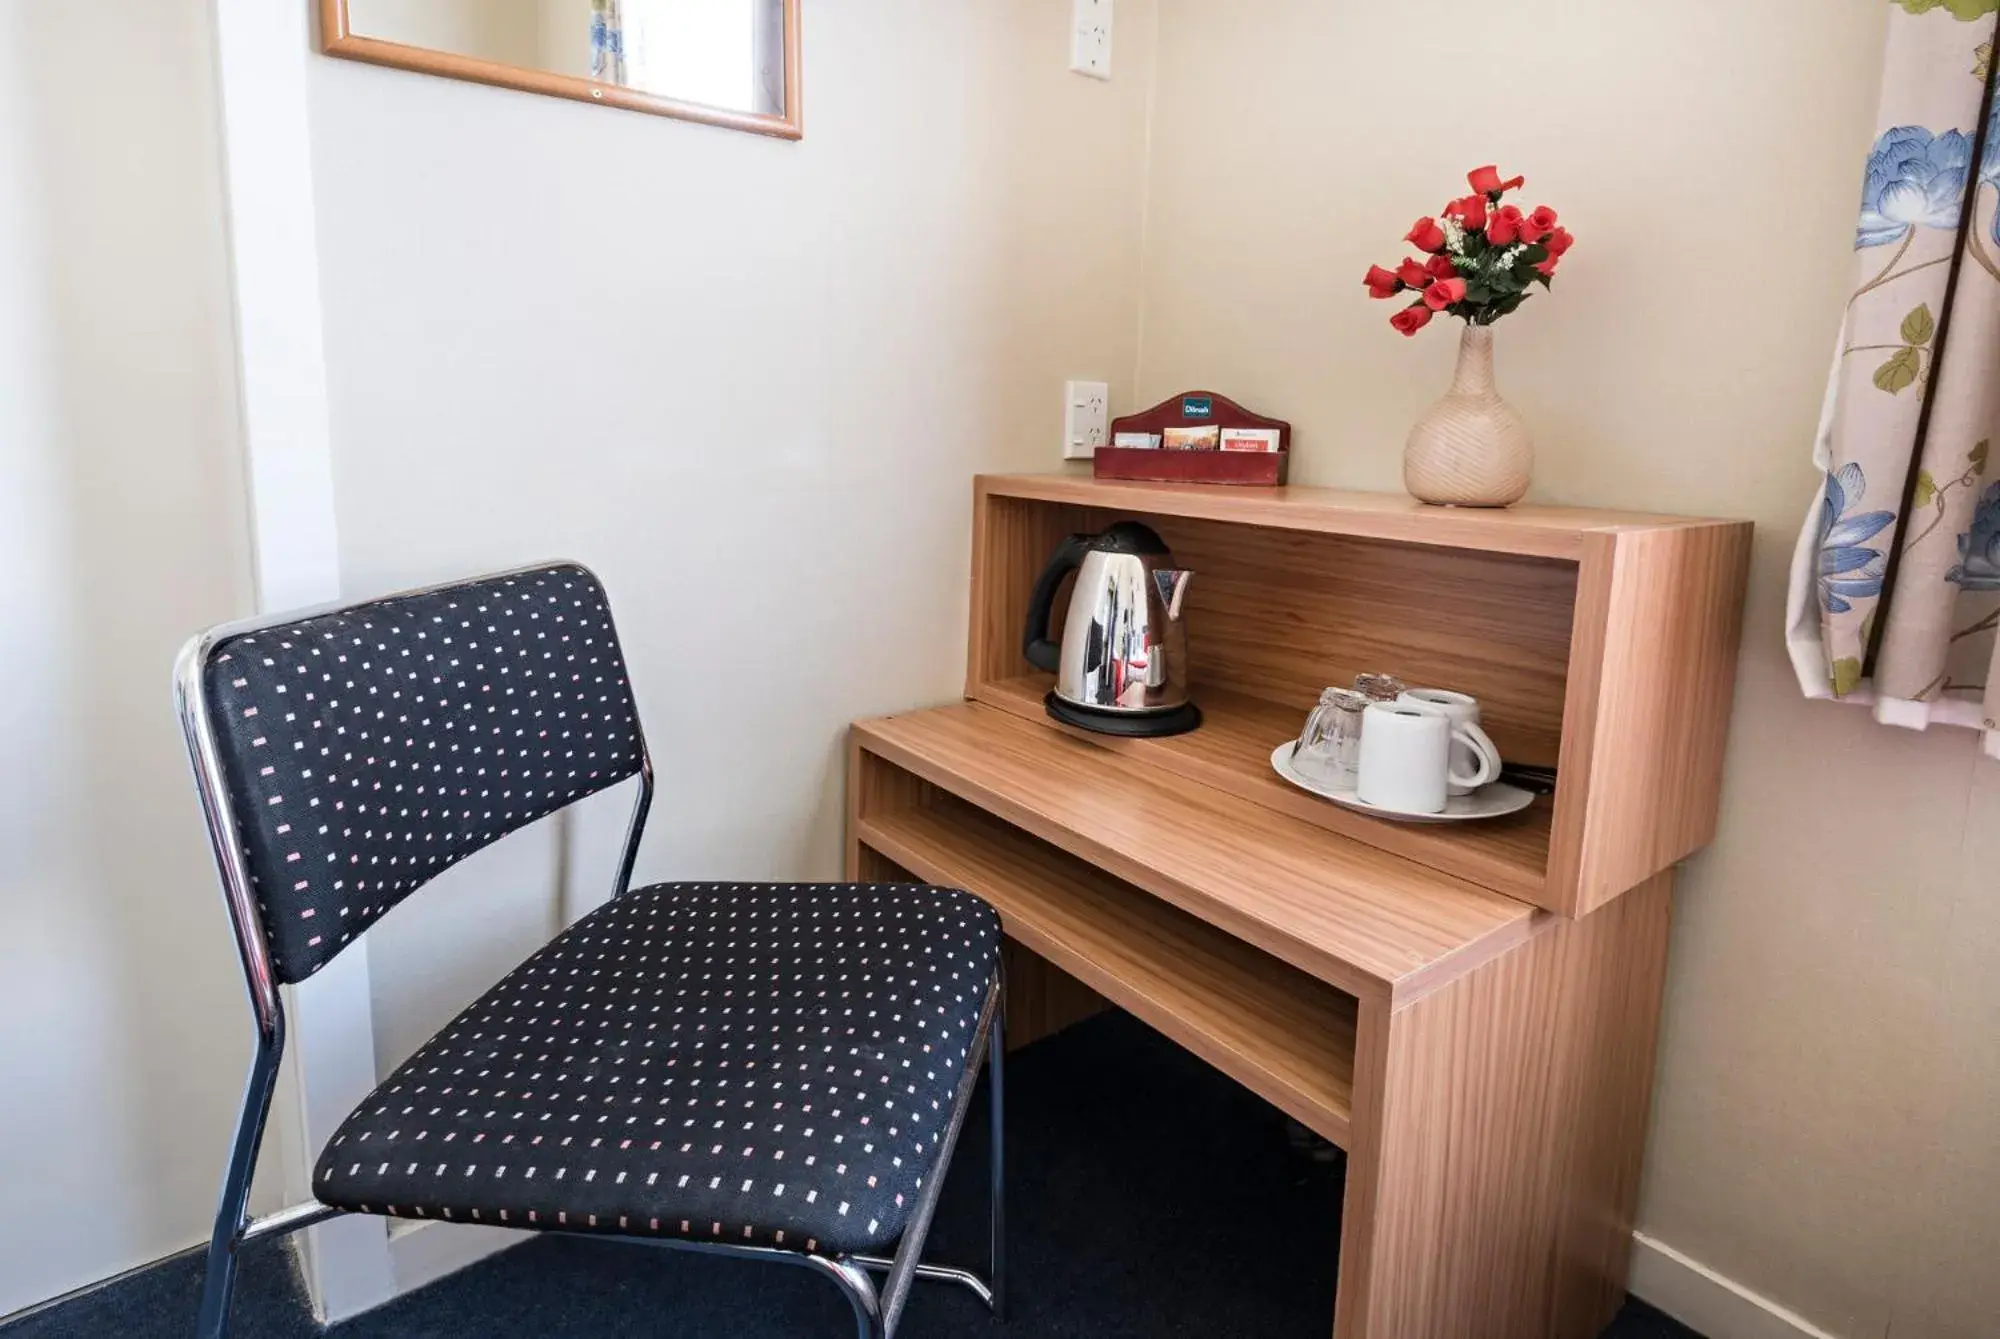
(724, 62)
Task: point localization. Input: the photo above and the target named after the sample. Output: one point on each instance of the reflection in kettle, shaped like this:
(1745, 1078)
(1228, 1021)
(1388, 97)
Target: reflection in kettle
(1121, 667)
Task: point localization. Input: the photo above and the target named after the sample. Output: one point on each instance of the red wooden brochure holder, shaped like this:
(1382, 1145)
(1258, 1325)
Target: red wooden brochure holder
(1194, 409)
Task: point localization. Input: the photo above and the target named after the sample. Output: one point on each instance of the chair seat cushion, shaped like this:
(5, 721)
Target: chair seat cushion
(758, 1064)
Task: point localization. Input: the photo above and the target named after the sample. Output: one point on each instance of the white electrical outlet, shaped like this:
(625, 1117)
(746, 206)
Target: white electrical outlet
(1086, 418)
(1090, 39)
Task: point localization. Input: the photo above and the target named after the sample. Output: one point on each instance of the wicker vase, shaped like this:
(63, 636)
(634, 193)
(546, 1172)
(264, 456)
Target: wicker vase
(1470, 449)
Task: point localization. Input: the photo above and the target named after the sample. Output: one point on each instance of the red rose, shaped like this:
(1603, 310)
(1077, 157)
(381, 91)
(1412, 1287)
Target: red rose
(1412, 318)
(1413, 273)
(1546, 268)
(1425, 235)
(1503, 226)
(1538, 224)
(1439, 267)
(1486, 181)
(1382, 283)
(1558, 241)
(1443, 293)
(1471, 211)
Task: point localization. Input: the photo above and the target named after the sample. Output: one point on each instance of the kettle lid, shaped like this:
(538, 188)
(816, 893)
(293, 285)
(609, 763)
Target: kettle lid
(1130, 537)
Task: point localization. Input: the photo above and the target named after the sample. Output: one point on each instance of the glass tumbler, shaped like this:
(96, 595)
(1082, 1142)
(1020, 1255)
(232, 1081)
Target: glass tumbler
(1379, 687)
(1329, 748)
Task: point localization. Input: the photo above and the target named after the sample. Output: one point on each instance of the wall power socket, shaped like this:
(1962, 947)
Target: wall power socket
(1086, 418)
(1090, 38)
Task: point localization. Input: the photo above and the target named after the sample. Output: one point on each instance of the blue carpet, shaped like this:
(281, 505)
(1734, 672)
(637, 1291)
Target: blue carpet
(1150, 1197)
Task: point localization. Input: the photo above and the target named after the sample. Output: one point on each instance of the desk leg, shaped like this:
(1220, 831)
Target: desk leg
(1499, 1127)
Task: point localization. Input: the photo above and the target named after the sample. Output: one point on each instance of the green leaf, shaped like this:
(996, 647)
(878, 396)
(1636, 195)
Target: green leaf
(1846, 675)
(1965, 11)
(1977, 455)
(1926, 490)
(1919, 326)
(1538, 253)
(1900, 372)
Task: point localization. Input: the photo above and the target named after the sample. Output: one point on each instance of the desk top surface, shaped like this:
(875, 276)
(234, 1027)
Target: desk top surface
(1540, 531)
(1367, 921)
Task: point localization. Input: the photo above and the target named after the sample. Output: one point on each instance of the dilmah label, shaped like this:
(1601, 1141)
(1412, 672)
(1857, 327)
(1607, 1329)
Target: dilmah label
(1197, 406)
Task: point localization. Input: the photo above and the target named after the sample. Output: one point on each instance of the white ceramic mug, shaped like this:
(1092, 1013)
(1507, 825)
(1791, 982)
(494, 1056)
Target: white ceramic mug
(1406, 753)
(1466, 752)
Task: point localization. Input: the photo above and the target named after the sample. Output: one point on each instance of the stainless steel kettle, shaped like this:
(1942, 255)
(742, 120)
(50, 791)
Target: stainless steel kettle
(1124, 646)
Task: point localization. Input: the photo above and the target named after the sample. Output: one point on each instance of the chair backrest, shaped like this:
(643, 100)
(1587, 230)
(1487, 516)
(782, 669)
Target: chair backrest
(370, 747)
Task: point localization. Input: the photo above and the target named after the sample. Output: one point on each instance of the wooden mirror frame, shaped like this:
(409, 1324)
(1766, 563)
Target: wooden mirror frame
(338, 39)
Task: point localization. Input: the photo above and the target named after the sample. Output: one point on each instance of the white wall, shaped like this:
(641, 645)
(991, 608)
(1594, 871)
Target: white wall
(748, 380)
(1825, 1128)
(122, 530)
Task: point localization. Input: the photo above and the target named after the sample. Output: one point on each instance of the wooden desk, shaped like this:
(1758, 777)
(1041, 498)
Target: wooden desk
(1419, 996)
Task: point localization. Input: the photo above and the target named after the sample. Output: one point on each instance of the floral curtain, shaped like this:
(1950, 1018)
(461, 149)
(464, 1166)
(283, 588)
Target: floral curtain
(607, 41)
(1895, 588)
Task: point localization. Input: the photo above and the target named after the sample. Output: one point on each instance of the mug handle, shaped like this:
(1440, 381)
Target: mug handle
(1475, 739)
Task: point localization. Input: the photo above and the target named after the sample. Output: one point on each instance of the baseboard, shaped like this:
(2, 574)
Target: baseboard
(424, 1252)
(1706, 1301)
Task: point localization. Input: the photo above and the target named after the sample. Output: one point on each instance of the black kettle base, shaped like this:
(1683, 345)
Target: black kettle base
(1131, 725)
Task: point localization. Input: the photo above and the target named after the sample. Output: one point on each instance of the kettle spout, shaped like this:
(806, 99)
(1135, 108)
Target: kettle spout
(1173, 584)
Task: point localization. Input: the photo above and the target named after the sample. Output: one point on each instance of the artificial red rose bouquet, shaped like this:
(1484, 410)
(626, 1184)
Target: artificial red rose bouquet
(1482, 257)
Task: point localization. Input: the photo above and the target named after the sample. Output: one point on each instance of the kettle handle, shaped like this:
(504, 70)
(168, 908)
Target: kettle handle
(1042, 653)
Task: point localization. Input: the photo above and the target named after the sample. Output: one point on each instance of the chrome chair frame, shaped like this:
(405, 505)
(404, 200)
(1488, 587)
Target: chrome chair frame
(876, 1309)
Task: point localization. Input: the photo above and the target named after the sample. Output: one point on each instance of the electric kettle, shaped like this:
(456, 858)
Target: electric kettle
(1122, 665)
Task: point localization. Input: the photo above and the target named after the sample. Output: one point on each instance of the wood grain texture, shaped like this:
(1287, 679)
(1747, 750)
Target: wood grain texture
(1357, 917)
(1500, 1126)
(1272, 1028)
(1653, 671)
(337, 38)
(1544, 532)
(1232, 753)
(1012, 541)
(1614, 664)
(1042, 999)
(1280, 615)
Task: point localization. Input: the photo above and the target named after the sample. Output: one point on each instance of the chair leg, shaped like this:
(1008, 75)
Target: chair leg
(218, 1281)
(219, 1278)
(859, 1289)
(996, 1060)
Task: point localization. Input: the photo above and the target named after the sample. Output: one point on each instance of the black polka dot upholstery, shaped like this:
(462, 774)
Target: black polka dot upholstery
(755, 1064)
(366, 751)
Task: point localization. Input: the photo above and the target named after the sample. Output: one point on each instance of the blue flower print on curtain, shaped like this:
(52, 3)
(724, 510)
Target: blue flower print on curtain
(1847, 569)
(1914, 179)
(1979, 548)
(607, 41)
(1989, 163)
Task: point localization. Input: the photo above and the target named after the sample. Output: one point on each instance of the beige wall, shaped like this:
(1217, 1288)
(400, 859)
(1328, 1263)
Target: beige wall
(748, 380)
(1824, 1130)
(123, 1027)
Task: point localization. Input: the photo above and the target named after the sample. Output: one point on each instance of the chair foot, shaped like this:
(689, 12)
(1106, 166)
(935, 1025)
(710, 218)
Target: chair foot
(217, 1282)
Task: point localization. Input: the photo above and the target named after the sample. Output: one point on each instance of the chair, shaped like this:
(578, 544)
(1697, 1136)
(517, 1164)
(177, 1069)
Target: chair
(770, 1071)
